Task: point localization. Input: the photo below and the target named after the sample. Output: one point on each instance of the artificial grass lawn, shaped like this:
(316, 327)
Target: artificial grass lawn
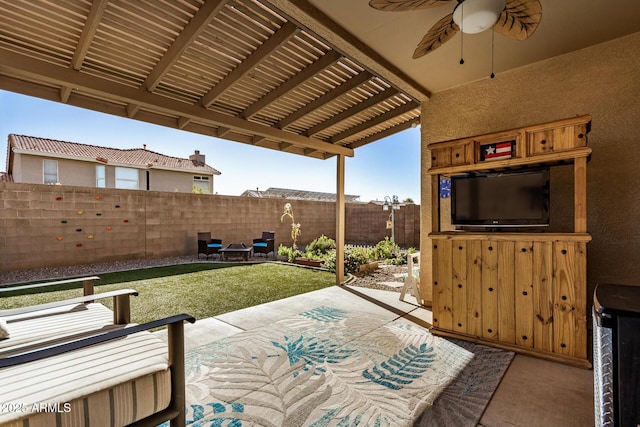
(201, 290)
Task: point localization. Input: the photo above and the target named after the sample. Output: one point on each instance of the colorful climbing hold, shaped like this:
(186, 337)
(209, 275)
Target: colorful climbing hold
(90, 236)
(98, 214)
(109, 228)
(78, 245)
(97, 197)
(64, 221)
(80, 212)
(59, 238)
(117, 206)
(78, 229)
(58, 198)
(126, 220)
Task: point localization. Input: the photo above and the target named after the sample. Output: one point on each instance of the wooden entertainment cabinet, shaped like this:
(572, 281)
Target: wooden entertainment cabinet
(523, 291)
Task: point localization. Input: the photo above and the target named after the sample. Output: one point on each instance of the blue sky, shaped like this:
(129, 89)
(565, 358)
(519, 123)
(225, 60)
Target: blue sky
(390, 166)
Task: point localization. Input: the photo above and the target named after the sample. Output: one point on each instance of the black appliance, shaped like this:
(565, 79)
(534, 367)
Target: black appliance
(616, 355)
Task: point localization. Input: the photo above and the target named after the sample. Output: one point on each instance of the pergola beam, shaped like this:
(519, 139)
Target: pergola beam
(350, 112)
(334, 93)
(375, 121)
(88, 32)
(197, 25)
(30, 69)
(280, 37)
(385, 133)
(310, 16)
(321, 64)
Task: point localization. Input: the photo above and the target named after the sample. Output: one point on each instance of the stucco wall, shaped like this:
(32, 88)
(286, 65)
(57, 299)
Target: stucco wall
(602, 81)
(54, 225)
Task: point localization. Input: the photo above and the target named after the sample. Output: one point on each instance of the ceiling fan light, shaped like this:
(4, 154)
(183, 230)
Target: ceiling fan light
(479, 15)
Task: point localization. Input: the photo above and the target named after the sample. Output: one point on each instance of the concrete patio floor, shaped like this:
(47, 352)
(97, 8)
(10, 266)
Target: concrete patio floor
(533, 392)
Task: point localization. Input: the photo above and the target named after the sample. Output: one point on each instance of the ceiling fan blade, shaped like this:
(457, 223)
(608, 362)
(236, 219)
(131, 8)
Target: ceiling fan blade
(400, 5)
(519, 19)
(441, 32)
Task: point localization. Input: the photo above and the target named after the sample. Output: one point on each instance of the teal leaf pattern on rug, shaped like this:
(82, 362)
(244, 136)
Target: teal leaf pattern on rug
(402, 368)
(313, 352)
(326, 419)
(325, 314)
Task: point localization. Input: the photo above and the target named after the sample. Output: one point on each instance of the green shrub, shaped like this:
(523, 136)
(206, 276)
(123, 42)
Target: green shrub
(386, 249)
(320, 246)
(290, 253)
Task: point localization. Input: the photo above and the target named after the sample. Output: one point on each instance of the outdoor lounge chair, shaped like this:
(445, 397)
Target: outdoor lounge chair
(207, 245)
(265, 244)
(75, 363)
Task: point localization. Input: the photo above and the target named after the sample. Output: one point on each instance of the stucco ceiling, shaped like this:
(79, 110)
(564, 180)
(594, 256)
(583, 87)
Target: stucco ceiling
(566, 26)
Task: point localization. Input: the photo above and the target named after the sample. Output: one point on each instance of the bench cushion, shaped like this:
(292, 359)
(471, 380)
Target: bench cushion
(260, 244)
(125, 379)
(214, 245)
(31, 330)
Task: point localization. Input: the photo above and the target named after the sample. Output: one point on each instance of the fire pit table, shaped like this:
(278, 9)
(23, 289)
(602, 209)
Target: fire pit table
(236, 250)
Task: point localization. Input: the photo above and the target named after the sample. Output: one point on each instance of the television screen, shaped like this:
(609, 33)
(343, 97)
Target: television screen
(511, 199)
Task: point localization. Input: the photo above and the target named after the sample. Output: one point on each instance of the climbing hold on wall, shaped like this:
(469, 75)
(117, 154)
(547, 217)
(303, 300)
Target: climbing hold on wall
(117, 206)
(90, 236)
(59, 238)
(58, 198)
(64, 221)
(125, 220)
(80, 212)
(78, 229)
(98, 197)
(109, 228)
(78, 245)
(98, 214)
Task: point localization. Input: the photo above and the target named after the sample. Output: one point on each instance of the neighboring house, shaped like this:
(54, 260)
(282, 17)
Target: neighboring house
(46, 161)
(285, 193)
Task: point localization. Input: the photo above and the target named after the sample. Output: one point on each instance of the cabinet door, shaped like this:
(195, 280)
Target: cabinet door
(442, 297)
(569, 296)
(506, 290)
(459, 285)
(524, 294)
(474, 288)
(489, 290)
(459, 155)
(543, 296)
(557, 139)
(441, 157)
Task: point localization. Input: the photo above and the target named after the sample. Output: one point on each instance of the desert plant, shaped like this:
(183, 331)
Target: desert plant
(295, 227)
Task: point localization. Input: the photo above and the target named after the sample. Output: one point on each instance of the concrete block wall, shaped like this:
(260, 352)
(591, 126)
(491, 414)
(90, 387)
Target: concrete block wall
(50, 225)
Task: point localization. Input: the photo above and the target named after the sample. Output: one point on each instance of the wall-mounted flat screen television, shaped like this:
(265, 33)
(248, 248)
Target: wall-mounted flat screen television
(510, 199)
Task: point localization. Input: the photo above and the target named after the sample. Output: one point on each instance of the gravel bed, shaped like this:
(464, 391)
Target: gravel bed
(374, 280)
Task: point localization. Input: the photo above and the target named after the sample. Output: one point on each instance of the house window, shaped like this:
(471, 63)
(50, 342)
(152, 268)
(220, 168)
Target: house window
(50, 171)
(127, 178)
(201, 184)
(101, 181)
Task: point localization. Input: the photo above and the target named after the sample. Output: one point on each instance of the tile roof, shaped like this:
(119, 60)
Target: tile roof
(285, 193)
(133, 156)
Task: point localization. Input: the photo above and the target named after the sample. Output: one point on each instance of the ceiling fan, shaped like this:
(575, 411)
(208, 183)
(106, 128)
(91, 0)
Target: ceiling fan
(517, 19)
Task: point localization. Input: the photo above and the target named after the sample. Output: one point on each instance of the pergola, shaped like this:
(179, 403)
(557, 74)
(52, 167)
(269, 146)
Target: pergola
(259, 72)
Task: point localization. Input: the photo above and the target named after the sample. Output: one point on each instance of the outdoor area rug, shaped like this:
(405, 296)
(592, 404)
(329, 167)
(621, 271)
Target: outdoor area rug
(329, 367)
(463, 402)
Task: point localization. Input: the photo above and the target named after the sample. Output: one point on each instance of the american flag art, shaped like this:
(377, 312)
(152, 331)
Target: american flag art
(496, 151)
